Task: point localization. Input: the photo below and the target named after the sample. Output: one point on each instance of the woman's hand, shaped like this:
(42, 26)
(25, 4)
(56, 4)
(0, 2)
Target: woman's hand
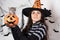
(11, 26)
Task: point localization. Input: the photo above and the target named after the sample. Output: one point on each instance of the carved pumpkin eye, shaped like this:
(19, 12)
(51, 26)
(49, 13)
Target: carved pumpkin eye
(13, 16)
(8, 16)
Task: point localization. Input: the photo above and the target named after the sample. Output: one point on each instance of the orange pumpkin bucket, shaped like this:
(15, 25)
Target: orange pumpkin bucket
(11, 19)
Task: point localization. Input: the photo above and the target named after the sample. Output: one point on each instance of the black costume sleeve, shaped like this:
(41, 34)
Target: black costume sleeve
(18, 35)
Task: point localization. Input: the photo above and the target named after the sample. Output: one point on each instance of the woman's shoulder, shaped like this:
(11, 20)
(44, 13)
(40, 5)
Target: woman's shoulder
(42, 25)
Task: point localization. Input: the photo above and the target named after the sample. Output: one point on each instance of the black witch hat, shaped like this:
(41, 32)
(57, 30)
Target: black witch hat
(36, 6)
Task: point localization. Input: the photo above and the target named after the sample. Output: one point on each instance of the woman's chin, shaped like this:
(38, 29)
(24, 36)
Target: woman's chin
(36, 20)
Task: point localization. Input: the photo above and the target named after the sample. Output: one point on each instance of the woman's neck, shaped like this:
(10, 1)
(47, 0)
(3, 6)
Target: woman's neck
(34, 22)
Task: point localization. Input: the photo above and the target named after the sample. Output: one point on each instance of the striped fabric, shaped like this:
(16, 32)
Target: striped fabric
(38, 30)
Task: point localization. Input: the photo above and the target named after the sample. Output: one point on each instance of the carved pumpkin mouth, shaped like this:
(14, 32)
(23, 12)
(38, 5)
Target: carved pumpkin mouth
(11, 22)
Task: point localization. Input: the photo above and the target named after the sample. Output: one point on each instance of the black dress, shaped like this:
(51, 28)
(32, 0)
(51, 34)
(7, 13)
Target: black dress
(36, 32)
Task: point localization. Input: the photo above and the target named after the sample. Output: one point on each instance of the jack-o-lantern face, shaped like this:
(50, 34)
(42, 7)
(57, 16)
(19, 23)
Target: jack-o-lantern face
(11, 19)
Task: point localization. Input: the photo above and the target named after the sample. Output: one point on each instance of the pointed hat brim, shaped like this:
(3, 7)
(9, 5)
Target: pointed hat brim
(45, 12)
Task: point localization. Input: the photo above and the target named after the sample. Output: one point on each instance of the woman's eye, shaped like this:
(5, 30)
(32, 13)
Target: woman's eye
(33, 13)
(38, 12)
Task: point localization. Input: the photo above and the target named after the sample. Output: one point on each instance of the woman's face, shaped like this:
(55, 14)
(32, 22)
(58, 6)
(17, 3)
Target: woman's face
(36, 15)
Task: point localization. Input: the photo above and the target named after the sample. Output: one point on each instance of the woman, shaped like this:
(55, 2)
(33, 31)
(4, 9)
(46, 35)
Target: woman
(36, 28)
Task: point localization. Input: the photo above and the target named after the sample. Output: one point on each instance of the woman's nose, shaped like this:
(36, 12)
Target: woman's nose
(36, 14)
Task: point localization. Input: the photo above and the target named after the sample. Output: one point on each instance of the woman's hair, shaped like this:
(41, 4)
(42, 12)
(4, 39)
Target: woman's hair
(29, 24)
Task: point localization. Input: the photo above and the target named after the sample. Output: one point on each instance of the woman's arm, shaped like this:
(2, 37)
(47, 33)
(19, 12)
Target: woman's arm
(18, 35)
